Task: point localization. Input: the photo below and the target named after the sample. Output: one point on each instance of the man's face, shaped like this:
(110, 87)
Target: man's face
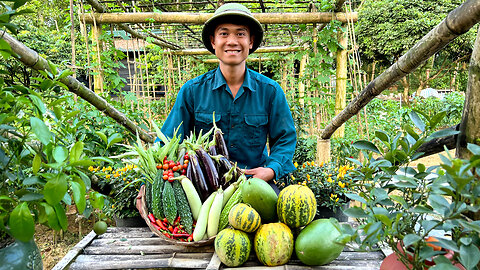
(232, 43)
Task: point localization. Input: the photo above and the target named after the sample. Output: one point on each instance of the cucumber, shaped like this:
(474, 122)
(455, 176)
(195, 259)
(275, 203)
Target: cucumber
(169, 202)
(183, 207)
(234, 199)
(148, 195)
(156, 196)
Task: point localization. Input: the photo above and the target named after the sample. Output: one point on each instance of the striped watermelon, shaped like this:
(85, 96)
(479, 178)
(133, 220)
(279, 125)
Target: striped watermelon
(232, 247)
(273, 244)
(296, 206)
(244, 217)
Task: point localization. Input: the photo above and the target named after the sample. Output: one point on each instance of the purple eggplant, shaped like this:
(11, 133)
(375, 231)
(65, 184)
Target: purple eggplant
(220, 144)
(212, 150)
(210, 169)
(199, 178)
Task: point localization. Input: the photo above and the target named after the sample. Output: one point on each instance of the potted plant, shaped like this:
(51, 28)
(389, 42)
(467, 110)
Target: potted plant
(403, 205)
(123, 184)
(329, 184)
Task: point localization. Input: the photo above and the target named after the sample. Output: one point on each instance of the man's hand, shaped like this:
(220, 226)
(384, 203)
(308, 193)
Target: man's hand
(266, 174)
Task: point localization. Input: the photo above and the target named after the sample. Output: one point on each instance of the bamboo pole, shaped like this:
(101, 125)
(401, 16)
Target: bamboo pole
(158, 40)
(341, 80)
(30, 58)
(456, 23)
(259, 50)
(97, 49)
(469, 126)
(301, 85)
(201, 18)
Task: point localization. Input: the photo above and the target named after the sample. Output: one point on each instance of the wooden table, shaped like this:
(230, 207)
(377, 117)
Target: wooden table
(132, 248)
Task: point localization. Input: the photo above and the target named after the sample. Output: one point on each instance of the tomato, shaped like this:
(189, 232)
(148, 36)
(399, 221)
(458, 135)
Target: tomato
(186, 157)
(159, 167)
(165, 166)
(171, 164)
(185, 166)
(185, 161)
(165, 177)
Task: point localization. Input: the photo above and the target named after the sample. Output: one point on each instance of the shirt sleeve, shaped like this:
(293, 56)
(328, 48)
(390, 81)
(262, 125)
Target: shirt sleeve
(181, 114)
(283, 137)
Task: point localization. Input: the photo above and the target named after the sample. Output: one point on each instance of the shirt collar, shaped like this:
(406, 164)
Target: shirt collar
(220, 81)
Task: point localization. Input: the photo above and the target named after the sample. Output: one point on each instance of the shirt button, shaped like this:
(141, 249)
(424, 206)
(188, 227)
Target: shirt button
(233, 126)
(232, 146)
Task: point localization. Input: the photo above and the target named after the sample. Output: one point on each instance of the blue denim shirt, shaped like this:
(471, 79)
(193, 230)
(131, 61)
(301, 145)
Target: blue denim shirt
(259, 110)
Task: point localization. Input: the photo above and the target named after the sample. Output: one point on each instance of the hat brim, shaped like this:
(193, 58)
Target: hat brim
(233, 17)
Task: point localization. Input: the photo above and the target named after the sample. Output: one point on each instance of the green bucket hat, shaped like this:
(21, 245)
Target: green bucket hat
(232, 13)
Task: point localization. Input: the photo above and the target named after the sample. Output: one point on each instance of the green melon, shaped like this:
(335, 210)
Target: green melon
(261, 196)
(320, 242)
(232, 247)
(273, 244)
(296, 206)
(244, 217)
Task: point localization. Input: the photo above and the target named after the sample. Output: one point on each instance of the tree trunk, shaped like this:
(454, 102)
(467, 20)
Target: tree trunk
(458, 21)
(470, 125)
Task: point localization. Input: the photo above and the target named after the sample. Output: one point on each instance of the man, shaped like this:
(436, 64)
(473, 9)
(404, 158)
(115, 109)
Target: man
(249, 107)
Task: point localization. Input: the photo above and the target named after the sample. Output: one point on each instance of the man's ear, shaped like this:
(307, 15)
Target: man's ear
(252, 39)
(212, 41)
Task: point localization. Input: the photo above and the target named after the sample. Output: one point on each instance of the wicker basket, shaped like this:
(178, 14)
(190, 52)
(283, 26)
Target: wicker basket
(142, 208)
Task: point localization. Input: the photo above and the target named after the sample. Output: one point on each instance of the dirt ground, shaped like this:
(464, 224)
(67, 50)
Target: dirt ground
(55, 246)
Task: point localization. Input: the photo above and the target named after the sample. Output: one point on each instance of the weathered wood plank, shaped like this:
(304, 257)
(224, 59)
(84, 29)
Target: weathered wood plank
(128, 242)
(145, 263)
(130, 257)
(77, 249)
(214, 263)
(153, 249)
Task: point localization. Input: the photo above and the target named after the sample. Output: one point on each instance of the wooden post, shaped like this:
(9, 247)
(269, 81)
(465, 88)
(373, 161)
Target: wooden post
(97, 49)
(323, 151)
(284, 76)
(469, 127)
(341, 81)
(301, 85)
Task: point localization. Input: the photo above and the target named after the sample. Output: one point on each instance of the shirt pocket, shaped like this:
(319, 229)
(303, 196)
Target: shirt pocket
(256, 129)
(204, 121)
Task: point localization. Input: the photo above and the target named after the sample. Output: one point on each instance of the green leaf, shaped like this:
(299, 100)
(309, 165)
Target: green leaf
(78, 191)
(114, 138)
(475, 149)
(36, 163)
(97, 200)
(411, 239)
(102, 136)
(55, 189)
(82, 163)
(38, 103)
(51, 216)
(417, 121)
(60, 154)
(355, 197)
(382, 136)
(21, 223)
(439, 204)
(76, 151)
(41, 130)
(411, 132)
(469, 256)
(355, 212)
(62, 217)
(384, 219)
(400, 200)
(443, 133)
(19, 3)
(421, 209)
(366, 145)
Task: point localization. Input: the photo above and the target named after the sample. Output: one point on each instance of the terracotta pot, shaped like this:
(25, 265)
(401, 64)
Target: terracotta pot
(392, 261)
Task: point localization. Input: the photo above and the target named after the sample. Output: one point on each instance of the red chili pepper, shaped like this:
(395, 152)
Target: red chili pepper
(156, 226)
(170, 228)
(167, 235)
(165, 221)
(175, 230)
(190, 238)
(177, 221)
(160, 223)
(151, 217)
(181, 235)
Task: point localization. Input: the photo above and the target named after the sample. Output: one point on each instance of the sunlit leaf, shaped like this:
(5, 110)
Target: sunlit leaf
(21, 223)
